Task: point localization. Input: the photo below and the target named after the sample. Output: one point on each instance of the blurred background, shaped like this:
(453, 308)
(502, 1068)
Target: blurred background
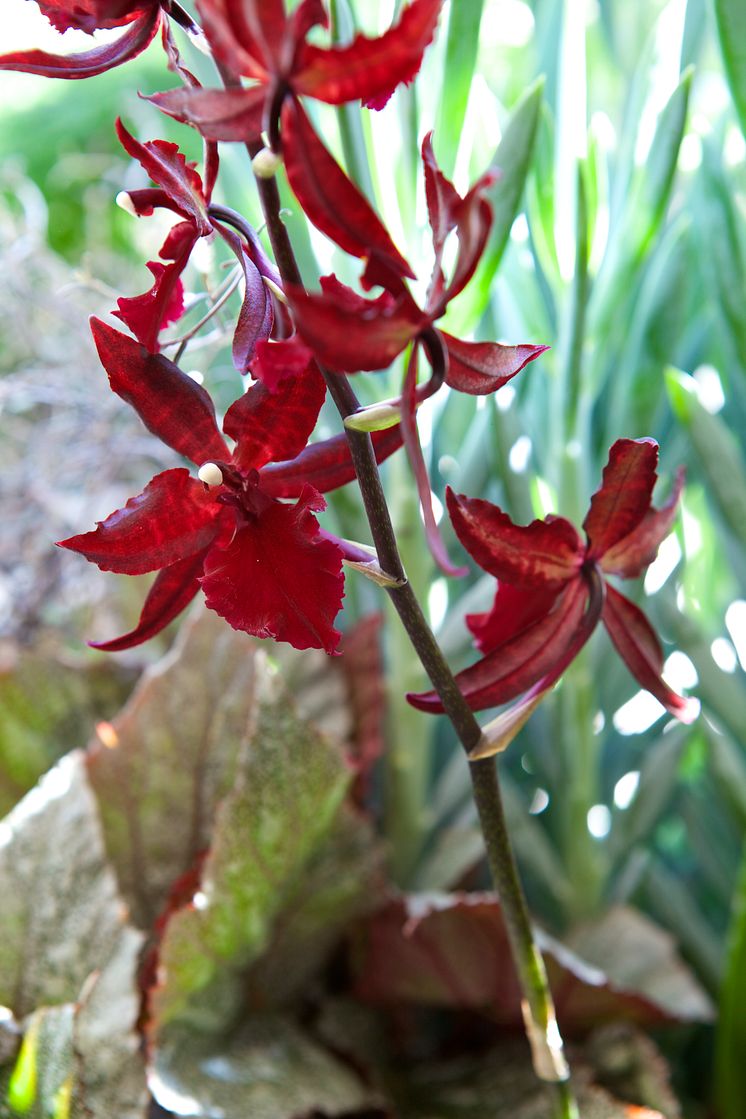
(618, 241)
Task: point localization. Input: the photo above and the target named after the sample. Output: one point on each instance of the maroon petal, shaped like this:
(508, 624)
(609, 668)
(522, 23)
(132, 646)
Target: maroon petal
(326, 465)
(484, 367)
(256, 316)
(89, 15)
(233, 42)
(89, 63)
(348, 333)
(329, 199)
(273, 426)
(443, 200)
(172, 591)
(167, 167)
(637, 644)
(147, 199)
(170, 404)
(541, 554)
(369, 69)
(147, 314)
(472, 230)
(275, 362)
(632, 555)
(218, 114)
(517, 665)
(278, 578)
(514, 610)
(623, 499)
(174, 517)
(419, 469)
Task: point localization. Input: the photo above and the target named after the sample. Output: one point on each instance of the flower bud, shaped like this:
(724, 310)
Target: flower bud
(210, 473)
(266, 163)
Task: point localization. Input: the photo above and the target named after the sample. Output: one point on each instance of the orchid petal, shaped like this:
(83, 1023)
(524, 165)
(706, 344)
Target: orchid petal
(278, 577)
(167, 167)
(170, 404)
(273, 426)
(326, 465)
(623, 499)
(532, 655)
(172, 591)
(87, 64)
(232, 43)
(634, 553)
(328, 198)
(174, 517)
(147, 314)
(502, 730)
(541, 554)
(637, 644)
(369, 69)
(348, 333)
(443, 200)
(217, 114)
(275, 362)
(90, 15)
(513, 611)
(479, 368)
(256, 316)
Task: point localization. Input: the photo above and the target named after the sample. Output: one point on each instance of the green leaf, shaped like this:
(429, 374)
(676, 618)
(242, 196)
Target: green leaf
(512, 159)
(717, 451)
(730, 1069)
(282, 854)
(646, 201)
(269, 1070)
(658, 779)
(731, 24)
(462, 46)
(159, 776)
(68, 958)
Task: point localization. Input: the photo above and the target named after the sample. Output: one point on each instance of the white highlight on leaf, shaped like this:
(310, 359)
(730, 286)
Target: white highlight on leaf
(637, 714)
(664, 74)
(679, 672)
(196, 376)
(690, 152)
(504, 397)
(709, 388)
(734, 149)
(724, 655)
(519, 454)
(599, 722)
(52, 786)
(599, 821)
(437, 603)
(539, 802)
(663, 566)
(626, 788)
(519, 230)
(735, 620)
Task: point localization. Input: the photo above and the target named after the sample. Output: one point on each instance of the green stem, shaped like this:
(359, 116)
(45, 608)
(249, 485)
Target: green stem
(540, 1016)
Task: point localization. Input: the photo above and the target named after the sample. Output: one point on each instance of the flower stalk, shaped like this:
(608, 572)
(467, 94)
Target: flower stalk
(546, 1044)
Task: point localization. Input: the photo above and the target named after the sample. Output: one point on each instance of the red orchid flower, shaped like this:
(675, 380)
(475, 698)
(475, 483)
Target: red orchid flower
(258, 39)
(180, 189)
(263, 564)
(348, 333)
(142, 18)
(553, 588)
